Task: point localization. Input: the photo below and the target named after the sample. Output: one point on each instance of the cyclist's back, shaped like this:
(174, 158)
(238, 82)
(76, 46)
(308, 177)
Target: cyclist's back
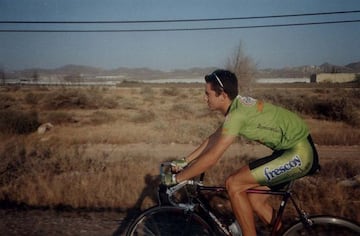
(271, 125)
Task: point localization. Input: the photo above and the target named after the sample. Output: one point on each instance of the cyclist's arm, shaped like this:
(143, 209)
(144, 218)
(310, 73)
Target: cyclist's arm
(214, 149)
(207, 143)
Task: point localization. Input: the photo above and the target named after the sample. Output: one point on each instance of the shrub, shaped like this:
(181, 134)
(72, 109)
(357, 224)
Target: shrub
(12, 162)
(339, 109)
(18, 122)
(101, 117)
(147, 91)
(340, 106)
(6, 101)
(32, 98)
(181, 108)
(67, 99)
(143, 117)
(174, 91)
(83, 99)
(59, 117)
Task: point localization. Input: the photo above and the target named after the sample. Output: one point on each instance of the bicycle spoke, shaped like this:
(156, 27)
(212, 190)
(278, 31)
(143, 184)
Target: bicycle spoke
(169, 221)
(147, 231)
(151, 228)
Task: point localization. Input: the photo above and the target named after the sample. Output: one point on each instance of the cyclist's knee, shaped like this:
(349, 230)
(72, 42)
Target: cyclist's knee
(240, 181)
(234, 185)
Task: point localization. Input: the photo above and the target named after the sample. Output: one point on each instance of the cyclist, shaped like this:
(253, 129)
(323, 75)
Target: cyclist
(294, 154)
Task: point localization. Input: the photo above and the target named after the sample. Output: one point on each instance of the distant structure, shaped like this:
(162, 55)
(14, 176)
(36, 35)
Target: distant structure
(334, 77)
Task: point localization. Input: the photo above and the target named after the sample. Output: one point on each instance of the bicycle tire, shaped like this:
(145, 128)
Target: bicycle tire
(169, 220)
(324, 225)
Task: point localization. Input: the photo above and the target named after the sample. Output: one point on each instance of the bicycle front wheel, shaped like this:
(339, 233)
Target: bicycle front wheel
(169, 220)
(325, 225)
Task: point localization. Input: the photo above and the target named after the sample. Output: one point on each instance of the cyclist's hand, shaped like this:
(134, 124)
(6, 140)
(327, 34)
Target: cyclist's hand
(178, 165)
(168, 179)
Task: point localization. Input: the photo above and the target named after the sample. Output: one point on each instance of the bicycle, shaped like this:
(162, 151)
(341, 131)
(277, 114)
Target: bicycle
(195, 216)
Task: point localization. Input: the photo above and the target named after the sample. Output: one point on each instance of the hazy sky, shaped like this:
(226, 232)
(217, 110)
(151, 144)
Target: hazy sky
(274, 47)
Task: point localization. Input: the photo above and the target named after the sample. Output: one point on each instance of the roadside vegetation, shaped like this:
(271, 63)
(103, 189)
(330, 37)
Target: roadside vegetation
(73, 164)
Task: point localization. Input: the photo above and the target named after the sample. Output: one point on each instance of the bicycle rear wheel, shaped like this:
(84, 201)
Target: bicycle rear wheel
(325, 225)
(168, 220)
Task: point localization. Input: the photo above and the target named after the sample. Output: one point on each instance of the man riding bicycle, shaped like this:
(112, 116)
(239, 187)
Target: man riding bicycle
(294, 154)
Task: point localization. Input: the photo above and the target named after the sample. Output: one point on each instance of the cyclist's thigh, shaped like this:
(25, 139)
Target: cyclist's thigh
(283, 166)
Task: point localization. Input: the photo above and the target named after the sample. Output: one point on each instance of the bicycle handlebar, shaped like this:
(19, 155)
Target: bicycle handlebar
(165, 168)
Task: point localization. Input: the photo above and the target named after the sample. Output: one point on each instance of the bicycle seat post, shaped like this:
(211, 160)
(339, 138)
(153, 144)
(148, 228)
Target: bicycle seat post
(290, 186)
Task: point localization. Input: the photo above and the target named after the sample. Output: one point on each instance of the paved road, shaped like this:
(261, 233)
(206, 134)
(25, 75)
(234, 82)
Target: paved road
(50, 222)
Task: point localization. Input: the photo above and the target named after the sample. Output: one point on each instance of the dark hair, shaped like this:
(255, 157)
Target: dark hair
(223, 80)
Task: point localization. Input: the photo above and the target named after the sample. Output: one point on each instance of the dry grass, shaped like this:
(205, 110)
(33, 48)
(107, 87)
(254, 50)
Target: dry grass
(61, 168)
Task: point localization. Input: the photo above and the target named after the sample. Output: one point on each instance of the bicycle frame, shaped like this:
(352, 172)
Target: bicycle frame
(175, 216)
(286, 196)
(200, 200)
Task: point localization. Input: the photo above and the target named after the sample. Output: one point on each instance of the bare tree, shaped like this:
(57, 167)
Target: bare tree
(244, 68)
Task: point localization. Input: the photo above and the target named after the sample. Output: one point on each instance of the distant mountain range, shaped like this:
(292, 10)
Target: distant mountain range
(146, 73)
(306, 71)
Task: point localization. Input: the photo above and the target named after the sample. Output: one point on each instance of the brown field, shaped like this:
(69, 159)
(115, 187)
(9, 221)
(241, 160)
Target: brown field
(105, 145)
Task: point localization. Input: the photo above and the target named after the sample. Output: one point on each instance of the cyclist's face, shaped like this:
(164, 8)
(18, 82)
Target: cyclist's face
(213, 100)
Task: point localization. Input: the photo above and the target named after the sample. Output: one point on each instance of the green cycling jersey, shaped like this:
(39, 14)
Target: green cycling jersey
(273, 126)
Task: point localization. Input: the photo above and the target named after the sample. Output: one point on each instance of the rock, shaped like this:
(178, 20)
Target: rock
(44, 128)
